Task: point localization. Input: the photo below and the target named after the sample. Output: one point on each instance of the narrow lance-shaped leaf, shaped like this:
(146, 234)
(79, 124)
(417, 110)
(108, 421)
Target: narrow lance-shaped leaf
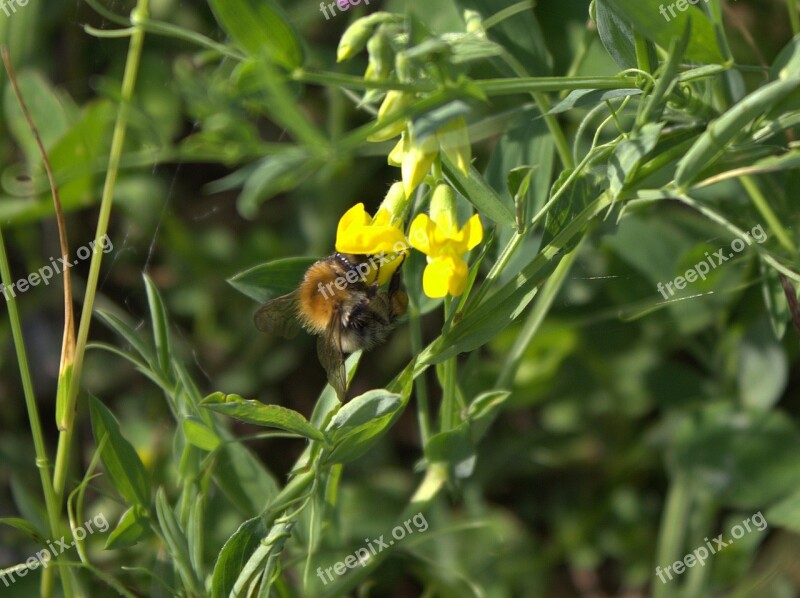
(119, 457)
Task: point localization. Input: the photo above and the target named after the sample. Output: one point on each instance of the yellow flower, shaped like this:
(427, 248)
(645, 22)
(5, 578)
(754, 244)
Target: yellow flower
(415, 156)
(360, 234)
(439, 238)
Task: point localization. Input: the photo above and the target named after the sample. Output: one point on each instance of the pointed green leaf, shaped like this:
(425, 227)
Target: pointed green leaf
(258, 26)
(359, 424)
(131, 528)
(119, 457)
(235, 554)
(273, 279)
(255, 412)
(200, 435)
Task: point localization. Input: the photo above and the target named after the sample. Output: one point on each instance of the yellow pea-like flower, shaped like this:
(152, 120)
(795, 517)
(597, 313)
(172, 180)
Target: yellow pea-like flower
(444, 243)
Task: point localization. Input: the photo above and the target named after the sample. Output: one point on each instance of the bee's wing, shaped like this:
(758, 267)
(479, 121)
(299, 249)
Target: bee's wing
(279, 316)
(329, 351)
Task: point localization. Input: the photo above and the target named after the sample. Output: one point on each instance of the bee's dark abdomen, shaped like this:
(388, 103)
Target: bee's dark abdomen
(364, 328)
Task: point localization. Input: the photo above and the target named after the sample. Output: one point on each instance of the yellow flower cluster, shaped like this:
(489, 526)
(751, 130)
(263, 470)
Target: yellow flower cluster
(415, 156)
(437, 235)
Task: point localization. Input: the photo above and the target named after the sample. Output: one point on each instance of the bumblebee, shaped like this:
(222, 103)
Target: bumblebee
(339, 302)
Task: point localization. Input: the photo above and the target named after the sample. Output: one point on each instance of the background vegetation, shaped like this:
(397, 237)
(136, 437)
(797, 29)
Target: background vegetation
(564, 434)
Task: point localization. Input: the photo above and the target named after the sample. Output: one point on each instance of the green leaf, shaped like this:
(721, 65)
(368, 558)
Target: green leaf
(177, 544)
(52, 111)
(521, 35)
(722, 131)
(787, 63)
(647, 17)
(359, 424)
(629, 155)
(616, 35)
(200, 435)
(235, 554)
(259, 25)
(158, 315)
(475, 188)
(455, 450)
(24, 526)
(273, 279)
(762, 371)
(255, 412)
(243, 479)
(584, 98)
(786, 514)
(132, 526)
(273, 175)
(483, 409)
(745, 458)
(431, 121)
(568, 206)
(119, 457)
(774, 299)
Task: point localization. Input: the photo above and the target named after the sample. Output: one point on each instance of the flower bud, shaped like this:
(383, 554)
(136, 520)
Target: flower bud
(392, 103)
(474, 22)
(395, 202)
(356, 35)
(443, 207)
(417, 160)
(454, 141)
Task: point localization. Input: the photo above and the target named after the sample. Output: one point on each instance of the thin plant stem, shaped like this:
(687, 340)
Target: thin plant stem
(39, 446)
(447, 416)
(673, 530)
(115, 155)
(421, 390)
(763, 207)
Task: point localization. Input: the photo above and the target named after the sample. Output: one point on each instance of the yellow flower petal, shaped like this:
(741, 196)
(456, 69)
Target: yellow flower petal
(421, 234)
(358, 234)
(445, 275)
(417, 160)
(474, 231)
(355, 216)
(395, 157)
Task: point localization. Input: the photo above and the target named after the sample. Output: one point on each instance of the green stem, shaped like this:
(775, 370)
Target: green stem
(39, 446)
(642, 54)
(497, 87)
(673, 532)
(128, 83)
(448, 416)
(421, 390)
(762, 205)
(545, 300)
(794, 16)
